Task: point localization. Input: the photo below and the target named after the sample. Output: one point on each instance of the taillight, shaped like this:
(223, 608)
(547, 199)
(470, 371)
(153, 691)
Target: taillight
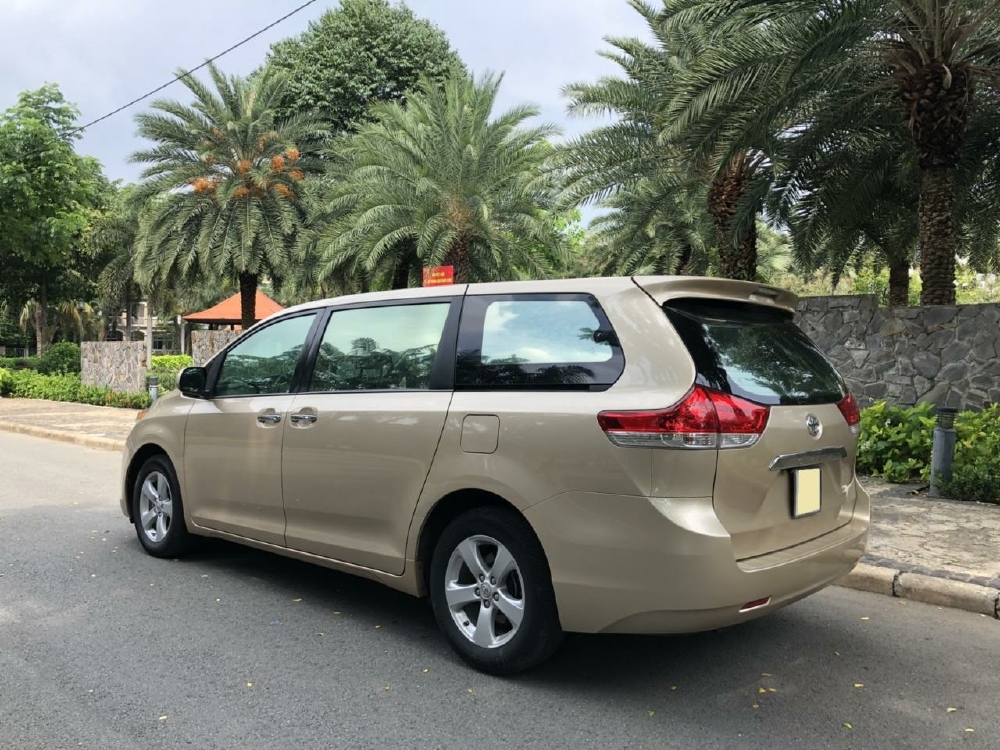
(703, 419)
(852, 414)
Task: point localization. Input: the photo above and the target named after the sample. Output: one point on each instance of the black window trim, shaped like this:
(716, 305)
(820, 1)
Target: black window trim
(470, 340)
(215, 365)
(442, 372)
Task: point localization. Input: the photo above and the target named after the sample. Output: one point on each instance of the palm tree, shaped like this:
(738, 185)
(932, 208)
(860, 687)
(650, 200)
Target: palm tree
(224, 184)
(667, 194)
(930, 59)
(438, 181)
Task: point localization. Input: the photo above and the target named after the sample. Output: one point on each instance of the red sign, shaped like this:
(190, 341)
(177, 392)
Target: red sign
(439, 276)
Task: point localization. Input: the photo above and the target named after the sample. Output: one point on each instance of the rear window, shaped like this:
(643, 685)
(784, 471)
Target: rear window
(754, 352)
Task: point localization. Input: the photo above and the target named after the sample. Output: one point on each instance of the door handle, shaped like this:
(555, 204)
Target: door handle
(307, 418)
(269, 418)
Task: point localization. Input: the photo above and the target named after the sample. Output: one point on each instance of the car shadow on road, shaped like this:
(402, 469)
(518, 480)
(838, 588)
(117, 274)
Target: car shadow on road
(584, 662)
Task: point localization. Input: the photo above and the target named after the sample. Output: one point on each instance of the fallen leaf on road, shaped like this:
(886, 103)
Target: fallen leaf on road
(755, 706)
(336, 613)
(378, 627)
(94, 531)
(673, 688)
(969, 729)
(766, 674)
(836, 653)
(772, 690)
(297, 600)
(93, 575)
(218, 600)
(761, 690)
(91, 690)
(320, 634)
(425, 670)
(205, 576)
(848, 725)
(162, 718)
(951, 710)
(651, 713)
(859, 684)
(388, 688)
(864, 619)
(249, 684)
(470, 690)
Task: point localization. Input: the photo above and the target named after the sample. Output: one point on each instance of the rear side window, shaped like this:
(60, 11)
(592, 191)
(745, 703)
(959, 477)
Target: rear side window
(538, 341)
(754, 352)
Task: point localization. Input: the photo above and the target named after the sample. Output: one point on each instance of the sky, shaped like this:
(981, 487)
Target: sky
(104, 53)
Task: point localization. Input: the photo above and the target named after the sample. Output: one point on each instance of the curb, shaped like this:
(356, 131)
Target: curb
(88, 441)
(875, 579)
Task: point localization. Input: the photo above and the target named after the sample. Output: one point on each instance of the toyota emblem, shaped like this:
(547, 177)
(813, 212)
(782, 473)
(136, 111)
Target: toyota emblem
(813, 425)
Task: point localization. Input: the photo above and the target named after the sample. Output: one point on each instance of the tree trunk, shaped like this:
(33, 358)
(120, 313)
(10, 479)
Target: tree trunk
(41, 311)
(248, 299)
(899, 283)
(401, 275)
(458, 258)
(128, 315)
(938, 239)
(685, 258)
(936, 103)
(737, 258)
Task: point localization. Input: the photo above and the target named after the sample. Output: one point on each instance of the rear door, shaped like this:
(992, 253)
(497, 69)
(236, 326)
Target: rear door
(795, 481)
(363, 431)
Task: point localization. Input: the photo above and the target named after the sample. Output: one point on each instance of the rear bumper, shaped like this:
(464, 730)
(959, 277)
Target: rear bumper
(661, 565)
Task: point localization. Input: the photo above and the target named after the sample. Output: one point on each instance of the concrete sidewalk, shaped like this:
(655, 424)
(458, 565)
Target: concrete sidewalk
(92, 426)
(938, 551)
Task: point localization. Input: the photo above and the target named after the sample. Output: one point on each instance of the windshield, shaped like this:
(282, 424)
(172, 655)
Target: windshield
(754, 352)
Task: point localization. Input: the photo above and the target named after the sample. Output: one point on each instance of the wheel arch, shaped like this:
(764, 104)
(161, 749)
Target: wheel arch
(444, 511)
(140, 457)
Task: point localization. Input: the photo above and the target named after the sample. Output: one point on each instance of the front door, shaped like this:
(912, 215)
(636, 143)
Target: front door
(361, 436)
(232, 446)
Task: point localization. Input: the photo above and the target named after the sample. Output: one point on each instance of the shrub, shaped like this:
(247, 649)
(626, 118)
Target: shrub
(895, 441)
(19, 363)
(6, 382)
(67, 387)
(176, 362)
(63, 357)
(979, 482)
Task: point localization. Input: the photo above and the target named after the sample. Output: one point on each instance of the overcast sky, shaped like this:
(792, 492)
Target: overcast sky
(103, 53)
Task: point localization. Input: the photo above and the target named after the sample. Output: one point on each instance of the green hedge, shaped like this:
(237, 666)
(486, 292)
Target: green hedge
(67, 387)
(18, 363)
(172, 362)
(896, 442)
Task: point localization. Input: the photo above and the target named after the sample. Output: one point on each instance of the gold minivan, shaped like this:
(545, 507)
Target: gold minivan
(616, 455)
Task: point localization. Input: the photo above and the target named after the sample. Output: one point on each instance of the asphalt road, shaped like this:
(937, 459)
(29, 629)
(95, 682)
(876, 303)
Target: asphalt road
(104, 647)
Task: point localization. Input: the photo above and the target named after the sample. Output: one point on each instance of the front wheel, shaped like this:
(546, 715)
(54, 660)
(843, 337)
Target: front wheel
(157, 510)
(491, 591)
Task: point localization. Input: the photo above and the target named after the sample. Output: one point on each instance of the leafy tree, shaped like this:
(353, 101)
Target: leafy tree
(49, 193)
(361, 53)
(936, 62)
(224, 183)
(439, 181)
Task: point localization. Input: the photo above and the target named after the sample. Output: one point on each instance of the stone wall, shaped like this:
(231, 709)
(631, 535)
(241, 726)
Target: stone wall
(119, 365)
(943, 355)
(205, 344)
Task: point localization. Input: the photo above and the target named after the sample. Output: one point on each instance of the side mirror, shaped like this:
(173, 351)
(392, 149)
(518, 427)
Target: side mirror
(193, 382)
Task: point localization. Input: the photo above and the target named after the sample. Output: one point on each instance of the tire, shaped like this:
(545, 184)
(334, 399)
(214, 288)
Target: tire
(164, 534)
(503, 646)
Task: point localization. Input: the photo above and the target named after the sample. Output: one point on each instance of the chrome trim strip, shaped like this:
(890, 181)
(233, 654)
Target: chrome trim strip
(808, 458)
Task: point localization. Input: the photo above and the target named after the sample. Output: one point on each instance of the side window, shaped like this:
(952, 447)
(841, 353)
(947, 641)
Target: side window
(537, 341)
(380, 348)
(264, 362)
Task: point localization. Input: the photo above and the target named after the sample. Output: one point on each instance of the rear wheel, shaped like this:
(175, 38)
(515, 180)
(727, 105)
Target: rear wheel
(157, 511)
(491, 591)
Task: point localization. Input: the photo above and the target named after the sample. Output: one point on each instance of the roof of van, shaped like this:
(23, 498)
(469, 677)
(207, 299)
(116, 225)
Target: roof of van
(654, 285)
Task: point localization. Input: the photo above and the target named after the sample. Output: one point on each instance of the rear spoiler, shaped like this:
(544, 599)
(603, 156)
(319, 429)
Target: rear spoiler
(664, 288)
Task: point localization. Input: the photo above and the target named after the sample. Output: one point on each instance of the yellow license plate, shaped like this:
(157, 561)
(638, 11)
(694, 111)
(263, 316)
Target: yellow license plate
(806, 492)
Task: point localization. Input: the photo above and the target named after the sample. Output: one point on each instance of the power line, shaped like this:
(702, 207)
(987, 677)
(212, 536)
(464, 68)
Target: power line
(210, 60)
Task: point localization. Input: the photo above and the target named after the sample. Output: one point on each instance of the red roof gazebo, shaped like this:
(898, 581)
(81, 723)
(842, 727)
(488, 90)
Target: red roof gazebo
(229, 313)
